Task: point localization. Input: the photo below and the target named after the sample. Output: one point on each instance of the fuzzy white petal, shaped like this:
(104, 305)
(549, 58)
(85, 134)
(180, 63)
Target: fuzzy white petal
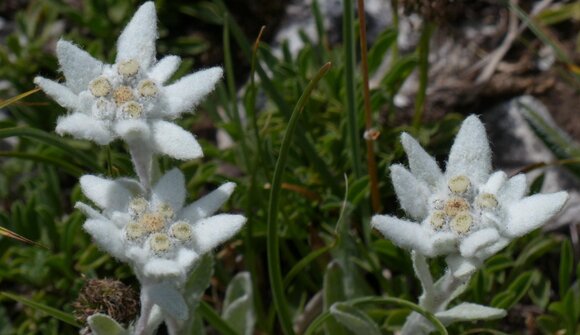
(462, 267)
(478, 240)
(470, 154)
(469, 312)
(187, 92)
(164, 69)
(209, 204)
(107, 236)
(211, 232)
(492, 249)
(105, 193)
(405, 234)
(137, 41)
(413, 194)
(513, 190)
(133, 130)
(186, 258)
(89, 211)
(162, 268)
(84, 127)
(444, 243)
(78, 67)
(495, 182)
(174, 141)
(170, 189)
(422, 165)
(532, 212)
(168, 298)
(60, 93)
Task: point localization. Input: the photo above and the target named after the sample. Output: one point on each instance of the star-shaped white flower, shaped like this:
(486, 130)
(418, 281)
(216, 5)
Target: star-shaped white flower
(465, 213)
(128, 99)
(157, 235)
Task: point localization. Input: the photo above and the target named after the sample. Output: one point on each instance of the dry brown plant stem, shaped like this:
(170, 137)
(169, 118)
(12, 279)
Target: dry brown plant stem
(371, 161)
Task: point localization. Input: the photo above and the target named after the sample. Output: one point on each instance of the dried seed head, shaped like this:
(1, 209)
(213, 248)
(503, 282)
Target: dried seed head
(138, 206)
(160, 243)
(454, 206)
(437, 219)
(181, 230)
(109, 297)
(486, 201)
(100, 87)
(128, 68)
(132, 109)
(166, 211)
(152, 222)
(147, 88)
(134, 231)
(461, 223)
(459, 184)
(122, 94)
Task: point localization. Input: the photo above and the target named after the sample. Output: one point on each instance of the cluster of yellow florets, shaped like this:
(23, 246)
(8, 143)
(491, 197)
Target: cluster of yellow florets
(126, 91)
(156, 227)
(461, 209)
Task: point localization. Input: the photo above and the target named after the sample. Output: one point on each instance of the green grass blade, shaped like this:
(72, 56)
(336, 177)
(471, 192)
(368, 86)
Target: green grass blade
(67, 167)
(8, 102)
(215, 320)
(50, 140)
(423, 52)
(274, 269)
(55, 313)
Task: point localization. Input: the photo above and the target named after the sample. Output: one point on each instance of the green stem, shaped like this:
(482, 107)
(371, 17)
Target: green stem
(423, 73)
(273, 250)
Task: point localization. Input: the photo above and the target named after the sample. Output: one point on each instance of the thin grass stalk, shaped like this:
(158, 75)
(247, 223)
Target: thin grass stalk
(426, 31)
(349, 60)
(273, 248)
(371, 161)
(232, 92)
(214, 319)
(304, 142)
(249, 250)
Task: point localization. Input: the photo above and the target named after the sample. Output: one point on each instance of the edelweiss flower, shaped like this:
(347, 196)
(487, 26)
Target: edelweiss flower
(159, 237)
(464, 213)
(127, 99)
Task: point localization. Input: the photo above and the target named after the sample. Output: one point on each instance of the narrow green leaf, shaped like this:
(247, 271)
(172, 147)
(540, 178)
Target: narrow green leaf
(67, 167)
(274, 268)
(53, 312)
(354, 319)
(215, 320)
(380, 47)
(566, 266)
(515, 292)
(333, 292)
(102, 324)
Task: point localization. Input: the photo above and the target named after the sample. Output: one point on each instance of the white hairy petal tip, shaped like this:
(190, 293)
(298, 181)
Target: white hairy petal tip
(532, 212)
(60, 93)
(405, 234)
(413, 194)
(469, 312)
(513, 190)
(164, 69)
(174, 141)
(477, 241)
(470, 154)
(107, 236)
(422, 165)
(78, 67)
(137, 41)
(495, 182)
(213, 231)
(105, 193)
(209, 204)
(84, 127)
(170, 189)
(187, 92)
(133, 130)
